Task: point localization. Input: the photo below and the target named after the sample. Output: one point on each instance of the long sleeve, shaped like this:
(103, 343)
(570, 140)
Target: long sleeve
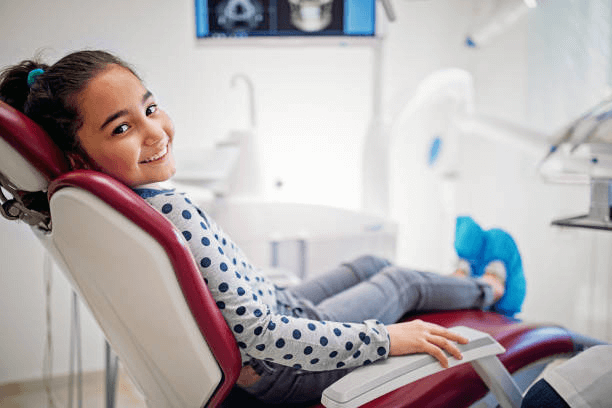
(247, 301)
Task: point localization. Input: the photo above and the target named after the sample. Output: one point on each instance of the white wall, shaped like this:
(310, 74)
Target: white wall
(313, 105)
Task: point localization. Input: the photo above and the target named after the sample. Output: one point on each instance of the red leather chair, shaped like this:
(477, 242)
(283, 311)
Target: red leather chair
(133, 270)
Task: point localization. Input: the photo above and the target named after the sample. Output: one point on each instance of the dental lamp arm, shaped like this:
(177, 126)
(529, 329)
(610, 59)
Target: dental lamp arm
(389, 10)
(369, 382)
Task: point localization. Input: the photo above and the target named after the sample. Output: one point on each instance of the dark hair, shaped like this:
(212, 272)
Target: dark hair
(51, 100)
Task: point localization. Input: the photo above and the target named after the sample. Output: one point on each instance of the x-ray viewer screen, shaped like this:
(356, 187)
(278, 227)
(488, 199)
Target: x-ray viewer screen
(247, 18)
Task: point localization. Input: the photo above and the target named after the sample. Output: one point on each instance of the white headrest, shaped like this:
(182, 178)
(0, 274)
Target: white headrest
(19, 171)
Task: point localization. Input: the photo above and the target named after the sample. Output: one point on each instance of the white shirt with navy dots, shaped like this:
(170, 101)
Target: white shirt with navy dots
(248, 301)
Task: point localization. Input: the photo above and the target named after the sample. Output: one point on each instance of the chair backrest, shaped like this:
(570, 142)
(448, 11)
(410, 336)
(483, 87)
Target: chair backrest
(28, 157)
(133, 270)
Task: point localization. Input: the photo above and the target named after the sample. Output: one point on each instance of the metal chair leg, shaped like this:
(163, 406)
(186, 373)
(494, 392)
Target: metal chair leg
(112, 365)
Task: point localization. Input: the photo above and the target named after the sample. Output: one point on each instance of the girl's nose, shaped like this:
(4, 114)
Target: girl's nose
(154, 134)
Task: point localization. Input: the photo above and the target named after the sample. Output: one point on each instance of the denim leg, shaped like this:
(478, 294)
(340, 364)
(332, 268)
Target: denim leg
(339, 279)
(286, 385)
(394, 291)
(541, 394)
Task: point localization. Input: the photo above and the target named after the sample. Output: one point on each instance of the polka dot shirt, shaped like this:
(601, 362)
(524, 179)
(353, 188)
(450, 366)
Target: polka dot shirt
(247, 300)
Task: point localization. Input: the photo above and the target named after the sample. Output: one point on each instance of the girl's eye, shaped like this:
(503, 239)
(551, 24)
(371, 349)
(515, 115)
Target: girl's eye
(120, 129)
(151, 109)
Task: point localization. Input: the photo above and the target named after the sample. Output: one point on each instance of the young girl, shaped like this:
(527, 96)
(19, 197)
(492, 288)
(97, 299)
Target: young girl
(294, 342)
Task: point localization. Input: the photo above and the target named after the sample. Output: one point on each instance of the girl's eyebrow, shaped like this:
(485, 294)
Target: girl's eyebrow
(124, 112)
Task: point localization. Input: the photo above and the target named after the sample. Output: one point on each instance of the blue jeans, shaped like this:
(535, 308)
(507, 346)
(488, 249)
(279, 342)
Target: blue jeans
(366, 288)
(541, 394)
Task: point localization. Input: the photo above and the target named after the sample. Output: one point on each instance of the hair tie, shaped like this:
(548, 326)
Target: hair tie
(33, 75)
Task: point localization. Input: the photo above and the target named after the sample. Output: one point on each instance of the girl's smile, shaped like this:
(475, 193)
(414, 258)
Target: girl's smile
(124, 133)
(159, 156)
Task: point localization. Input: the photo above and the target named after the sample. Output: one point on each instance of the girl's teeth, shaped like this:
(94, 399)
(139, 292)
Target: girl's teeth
(157, 156)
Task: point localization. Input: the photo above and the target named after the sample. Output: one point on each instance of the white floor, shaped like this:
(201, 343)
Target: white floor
(33, 394)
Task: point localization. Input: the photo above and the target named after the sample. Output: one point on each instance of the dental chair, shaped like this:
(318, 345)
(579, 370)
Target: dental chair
(133, 270)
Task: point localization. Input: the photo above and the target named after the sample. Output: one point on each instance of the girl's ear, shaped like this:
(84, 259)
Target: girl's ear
(78, 161)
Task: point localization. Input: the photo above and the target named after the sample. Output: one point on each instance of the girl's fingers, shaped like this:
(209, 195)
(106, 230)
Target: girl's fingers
(437, 353)
(458, 338)
(441, 331)
(444, 344)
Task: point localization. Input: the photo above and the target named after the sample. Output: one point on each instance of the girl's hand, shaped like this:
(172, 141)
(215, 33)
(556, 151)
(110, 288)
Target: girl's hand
(418, 336)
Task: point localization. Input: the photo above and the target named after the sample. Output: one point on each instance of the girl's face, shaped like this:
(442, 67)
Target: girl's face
(124, 132)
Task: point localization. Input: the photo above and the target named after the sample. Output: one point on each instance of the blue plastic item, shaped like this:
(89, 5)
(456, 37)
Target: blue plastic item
(434, 150)
(480, 247)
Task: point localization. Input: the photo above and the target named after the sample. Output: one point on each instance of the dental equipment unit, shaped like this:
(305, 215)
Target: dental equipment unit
(582, 152)
(132, 269)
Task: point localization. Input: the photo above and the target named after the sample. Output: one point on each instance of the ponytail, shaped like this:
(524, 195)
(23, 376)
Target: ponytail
(14, 88)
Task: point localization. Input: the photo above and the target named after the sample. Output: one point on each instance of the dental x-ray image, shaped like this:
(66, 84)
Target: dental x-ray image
(244, 18)
(312, 15)
(231, 16)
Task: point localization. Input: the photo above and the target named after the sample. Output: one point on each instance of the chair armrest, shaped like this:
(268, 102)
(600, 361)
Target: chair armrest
(369, 382)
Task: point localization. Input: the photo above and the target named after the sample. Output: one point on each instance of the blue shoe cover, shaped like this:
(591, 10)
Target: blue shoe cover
(480, 247)
(500, 246)
(469, 241)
